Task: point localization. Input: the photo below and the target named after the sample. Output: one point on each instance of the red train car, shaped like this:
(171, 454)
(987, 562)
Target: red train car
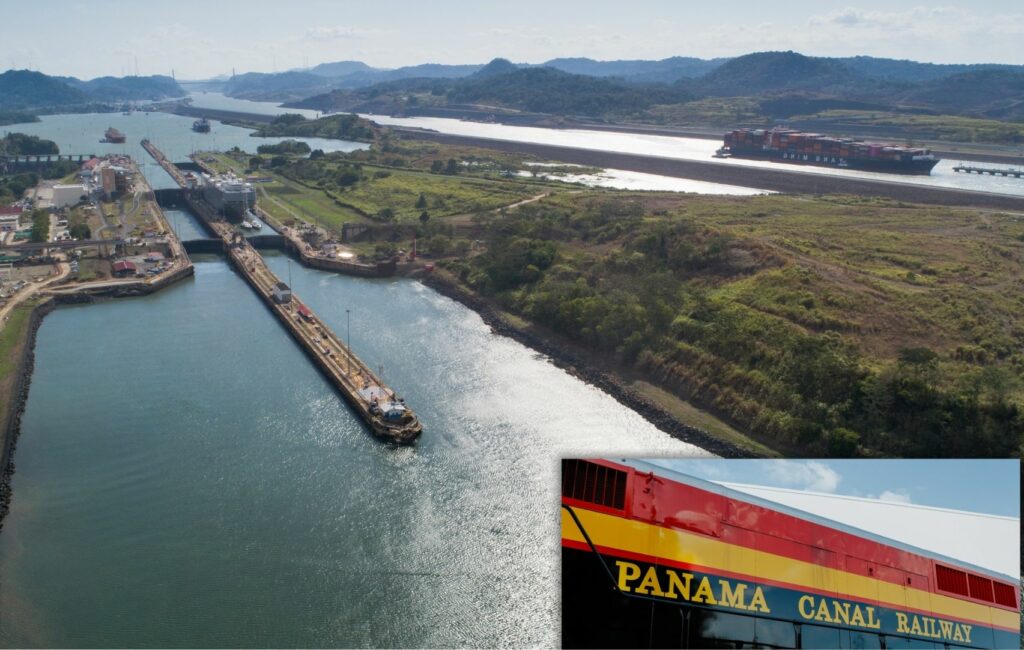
(653, 558)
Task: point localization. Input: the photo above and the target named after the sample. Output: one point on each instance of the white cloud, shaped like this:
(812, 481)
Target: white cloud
(894, 496)
(339, 33)
(804, 474)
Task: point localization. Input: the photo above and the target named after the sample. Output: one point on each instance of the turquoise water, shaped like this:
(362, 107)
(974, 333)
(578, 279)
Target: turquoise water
(185, 477)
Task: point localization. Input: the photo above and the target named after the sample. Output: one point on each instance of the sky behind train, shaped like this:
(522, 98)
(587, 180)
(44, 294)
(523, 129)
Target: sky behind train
(201, 39)
(983, 485)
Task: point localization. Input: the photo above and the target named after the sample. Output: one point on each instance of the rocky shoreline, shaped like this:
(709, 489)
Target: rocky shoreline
(12, 427)
(581, 369)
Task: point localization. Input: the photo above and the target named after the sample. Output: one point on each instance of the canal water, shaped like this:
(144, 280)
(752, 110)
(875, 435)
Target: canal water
(644, 144)
(172, 134)
(185, 477)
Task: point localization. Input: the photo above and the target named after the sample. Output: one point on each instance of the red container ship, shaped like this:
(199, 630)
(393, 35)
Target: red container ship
(113, 135)
(796, 147)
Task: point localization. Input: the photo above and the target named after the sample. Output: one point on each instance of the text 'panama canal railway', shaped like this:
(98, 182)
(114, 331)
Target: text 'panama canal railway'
(383, 411)
(788, 146)
(652, 558)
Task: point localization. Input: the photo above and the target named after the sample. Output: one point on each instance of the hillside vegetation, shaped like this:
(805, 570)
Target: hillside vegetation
(822, 326)
(26, 90)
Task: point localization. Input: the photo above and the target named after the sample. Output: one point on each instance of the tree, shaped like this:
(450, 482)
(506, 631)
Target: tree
(80, 231)
(385, 214)
(421, 202)
(40, 226)
(452, 167)
(316, 154)
(437, 166)
(438, 245)
(424, 217)
(255, 162)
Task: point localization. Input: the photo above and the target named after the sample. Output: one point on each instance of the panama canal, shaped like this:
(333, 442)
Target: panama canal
(184, 473)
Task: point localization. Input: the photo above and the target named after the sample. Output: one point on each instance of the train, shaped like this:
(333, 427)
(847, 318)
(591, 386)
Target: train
(654, 558)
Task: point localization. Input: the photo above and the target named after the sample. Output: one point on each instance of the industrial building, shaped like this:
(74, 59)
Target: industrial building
(65, 196)
(9, 218)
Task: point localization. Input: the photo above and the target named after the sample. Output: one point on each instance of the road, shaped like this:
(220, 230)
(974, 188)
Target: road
(31, 289)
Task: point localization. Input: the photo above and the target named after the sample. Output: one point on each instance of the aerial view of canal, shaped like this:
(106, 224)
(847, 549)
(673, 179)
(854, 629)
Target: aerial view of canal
(185, 477)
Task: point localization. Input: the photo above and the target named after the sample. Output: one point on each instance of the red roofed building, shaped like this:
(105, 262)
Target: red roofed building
(123, 268)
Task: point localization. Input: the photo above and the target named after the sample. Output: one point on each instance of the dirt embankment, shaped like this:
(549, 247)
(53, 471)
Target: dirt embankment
(573, 362)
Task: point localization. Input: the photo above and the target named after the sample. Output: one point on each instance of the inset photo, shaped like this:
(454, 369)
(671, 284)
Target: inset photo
(859, 554)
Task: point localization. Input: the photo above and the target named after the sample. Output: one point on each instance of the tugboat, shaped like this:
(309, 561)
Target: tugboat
(114, 136)
(201, 125)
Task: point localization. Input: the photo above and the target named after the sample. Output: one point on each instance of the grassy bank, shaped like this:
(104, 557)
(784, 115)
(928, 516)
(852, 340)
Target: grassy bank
(13, 339)
(833, 326)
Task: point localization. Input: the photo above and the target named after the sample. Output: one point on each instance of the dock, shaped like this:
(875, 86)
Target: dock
(377, 404)
(994, 171)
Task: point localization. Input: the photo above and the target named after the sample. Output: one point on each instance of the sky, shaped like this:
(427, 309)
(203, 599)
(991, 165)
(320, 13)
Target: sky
(986, 486)
(201, 39)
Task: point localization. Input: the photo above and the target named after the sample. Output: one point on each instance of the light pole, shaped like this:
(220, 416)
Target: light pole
(348, 337)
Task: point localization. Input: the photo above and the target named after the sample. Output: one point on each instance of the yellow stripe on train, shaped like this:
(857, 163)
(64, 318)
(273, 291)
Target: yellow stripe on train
(642, 538)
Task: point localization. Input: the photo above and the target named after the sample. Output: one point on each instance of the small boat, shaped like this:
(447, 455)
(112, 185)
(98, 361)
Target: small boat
(721, 152)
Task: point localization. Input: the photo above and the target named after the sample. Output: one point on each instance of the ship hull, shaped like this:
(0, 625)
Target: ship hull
(911, 167)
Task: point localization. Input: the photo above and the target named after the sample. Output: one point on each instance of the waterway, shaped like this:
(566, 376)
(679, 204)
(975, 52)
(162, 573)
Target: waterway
(185, 477)
(643, 144)
(172, 134)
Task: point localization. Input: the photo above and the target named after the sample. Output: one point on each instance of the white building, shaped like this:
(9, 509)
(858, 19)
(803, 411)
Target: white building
(67, 195)
(9, 218)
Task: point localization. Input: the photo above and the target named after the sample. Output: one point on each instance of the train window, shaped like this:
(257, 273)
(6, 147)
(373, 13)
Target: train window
(902, 643)
(860, 640)
(774, 634)
(719, 630)
(820, 638)
(667, 626)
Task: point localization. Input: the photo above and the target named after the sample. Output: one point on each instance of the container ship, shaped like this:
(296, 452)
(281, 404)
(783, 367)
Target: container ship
(201, 126)
(113, 135)
(796, 147)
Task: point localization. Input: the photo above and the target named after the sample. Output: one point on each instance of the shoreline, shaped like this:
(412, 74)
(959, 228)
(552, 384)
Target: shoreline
(11, 429)
(605, 380)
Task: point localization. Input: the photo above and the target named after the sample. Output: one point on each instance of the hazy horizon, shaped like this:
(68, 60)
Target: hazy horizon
(200, 40)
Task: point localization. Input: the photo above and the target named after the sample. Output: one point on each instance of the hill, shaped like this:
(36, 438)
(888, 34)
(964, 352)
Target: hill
(339, 69)
(26, 90)
(639, 71)
(29, 90)
(130, 88)
(275, 87)
(777, 72)
(993, 93)
(914, 71)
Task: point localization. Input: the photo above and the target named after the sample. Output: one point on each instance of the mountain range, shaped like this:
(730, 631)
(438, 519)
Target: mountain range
(27, 90)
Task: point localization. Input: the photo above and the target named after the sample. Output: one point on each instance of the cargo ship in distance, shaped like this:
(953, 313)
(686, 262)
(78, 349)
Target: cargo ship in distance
(796, 147)
(113, 135)
(201, 125)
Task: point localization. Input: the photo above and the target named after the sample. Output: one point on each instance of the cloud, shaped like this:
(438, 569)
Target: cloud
(807, 475)
(894, 496)
(340, 33)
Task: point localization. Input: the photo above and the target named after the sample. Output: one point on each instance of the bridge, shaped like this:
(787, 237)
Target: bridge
(32, 247)
(13, 164)
(994, 171)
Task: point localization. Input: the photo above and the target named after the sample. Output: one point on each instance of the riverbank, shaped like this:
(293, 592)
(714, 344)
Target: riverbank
(17, 360)
(585, 366)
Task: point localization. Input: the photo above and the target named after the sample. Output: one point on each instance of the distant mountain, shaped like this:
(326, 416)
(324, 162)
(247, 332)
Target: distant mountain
(777, 72)
(993, 93)
(494, 68)
(639, 71)
(904, 70)
(340, 69)
(131, 88)
(275, 86)
(28, 90)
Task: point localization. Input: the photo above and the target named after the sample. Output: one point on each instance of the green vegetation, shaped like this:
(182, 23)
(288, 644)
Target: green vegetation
(13, 187)
(19, 144)
(13, 337)
(11, 117)
(341, 127)
(22, 90)
(285, 147)
(336, 188)
(40, 226)
(839, 326)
